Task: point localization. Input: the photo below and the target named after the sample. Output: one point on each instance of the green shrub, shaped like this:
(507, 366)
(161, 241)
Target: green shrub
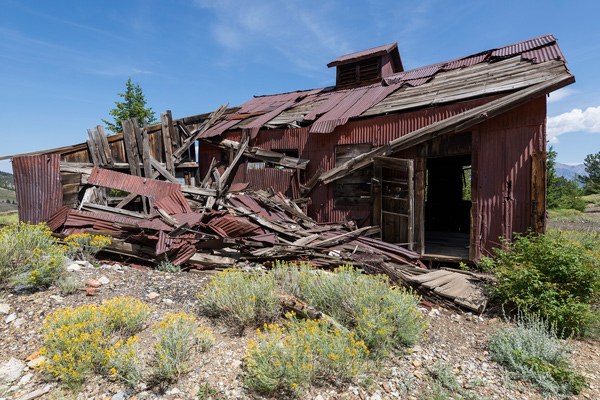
(553, 276)
(383, 317)
(531, 352)
(241, 299)
(78, 341)
(28, 255)
(298, 353)
(166, 266)
(176, 336)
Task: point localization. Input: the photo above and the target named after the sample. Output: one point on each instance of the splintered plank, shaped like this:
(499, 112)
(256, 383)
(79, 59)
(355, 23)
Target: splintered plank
(131, 148)
(431, 276)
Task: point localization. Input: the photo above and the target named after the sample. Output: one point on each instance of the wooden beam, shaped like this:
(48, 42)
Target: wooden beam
(263, 155)
(92, 150)
(104, 139)
(126, 200)
(206, 180)
(163, 171)
(214, 116)
(131, 149)
(100, 146)
(240, 151)
(168, 146)
(114, 211)
(146, 153)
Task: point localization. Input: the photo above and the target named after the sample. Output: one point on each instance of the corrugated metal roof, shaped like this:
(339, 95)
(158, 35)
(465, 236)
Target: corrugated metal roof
(151, 188)
(336, 107)
(375, 51)
(233, 227)
(38, 187)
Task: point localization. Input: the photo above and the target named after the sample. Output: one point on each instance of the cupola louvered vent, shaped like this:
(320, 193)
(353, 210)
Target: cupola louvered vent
(367, 67)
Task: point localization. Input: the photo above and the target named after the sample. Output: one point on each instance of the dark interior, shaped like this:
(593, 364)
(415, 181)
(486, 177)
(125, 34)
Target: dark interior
(448, 206)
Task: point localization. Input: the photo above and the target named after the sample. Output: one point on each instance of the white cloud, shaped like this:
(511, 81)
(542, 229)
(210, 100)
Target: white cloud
(560, 94)
(575, 120)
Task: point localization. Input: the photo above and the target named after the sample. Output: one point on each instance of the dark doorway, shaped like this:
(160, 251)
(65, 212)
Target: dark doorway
(448, 206)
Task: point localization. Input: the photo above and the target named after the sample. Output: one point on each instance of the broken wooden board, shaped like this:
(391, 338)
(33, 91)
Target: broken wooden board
(464, 289)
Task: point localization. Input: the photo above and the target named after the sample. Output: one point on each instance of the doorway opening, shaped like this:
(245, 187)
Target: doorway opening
(448, 207)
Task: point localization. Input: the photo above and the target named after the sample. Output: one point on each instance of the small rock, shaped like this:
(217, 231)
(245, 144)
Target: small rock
(167, 301)
(153, 295)
(19, 322)
(36, 362)
(11, 370)
(33, 356)
(376, 397)
(74, 267)
(417, 363)
(119, 396)
(104, 280)
(57, 298)
(94, 283)
(319, 397)
(236, 363)
(418, 375)
(25, 380)
(4, 308)
(173, 391)
(10, 318)
(417, 349)
(90, 292)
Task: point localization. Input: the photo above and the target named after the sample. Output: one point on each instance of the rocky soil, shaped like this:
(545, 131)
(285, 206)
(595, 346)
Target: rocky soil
(455, 338)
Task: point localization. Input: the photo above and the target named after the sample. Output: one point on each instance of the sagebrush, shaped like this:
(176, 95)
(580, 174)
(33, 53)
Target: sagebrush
(530, 350)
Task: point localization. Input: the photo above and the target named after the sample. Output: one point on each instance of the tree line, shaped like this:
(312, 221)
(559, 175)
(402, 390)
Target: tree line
(566, 193)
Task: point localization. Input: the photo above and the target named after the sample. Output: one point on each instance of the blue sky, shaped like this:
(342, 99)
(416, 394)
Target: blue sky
(62, 63)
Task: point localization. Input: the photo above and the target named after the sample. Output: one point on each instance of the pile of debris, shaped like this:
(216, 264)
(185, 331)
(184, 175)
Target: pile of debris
(210, 223)
(259, 226)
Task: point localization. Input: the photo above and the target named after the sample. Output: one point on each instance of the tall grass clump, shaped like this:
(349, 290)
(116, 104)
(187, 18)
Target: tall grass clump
(530, 350)
(79, 342)
(383, 317)
(297, 353)
(176, 336)
(29, 255)
(241, 299)
(551, 275)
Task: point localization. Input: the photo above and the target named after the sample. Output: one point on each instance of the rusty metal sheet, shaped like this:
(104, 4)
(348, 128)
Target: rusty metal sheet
(78, 218)
(174, 203)
(38, 187)
(57, 220)
(151, 188)
(234, 227)
(375, 51)
(523, 46)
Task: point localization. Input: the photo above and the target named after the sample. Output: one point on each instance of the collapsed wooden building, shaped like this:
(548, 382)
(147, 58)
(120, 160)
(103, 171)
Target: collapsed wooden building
(442, 160)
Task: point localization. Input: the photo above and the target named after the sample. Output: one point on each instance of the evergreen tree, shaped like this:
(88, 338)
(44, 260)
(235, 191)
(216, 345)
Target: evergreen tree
(133, 106)
(552, 180)
(591, 182)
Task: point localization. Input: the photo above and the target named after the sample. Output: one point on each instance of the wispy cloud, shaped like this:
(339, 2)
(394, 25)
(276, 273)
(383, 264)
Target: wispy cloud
(259, 30)
(560, 95)
(575, 120)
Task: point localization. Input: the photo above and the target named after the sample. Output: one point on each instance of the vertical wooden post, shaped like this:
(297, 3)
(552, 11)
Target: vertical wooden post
(420, 172)
(164, 124)
(376, 197)
(411, 205)
(474, 237)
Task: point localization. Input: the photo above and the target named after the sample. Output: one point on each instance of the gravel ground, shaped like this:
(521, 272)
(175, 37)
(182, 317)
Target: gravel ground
(457, 339)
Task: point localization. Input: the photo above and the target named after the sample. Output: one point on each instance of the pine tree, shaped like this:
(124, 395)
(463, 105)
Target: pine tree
(591, 182)
(133, 106)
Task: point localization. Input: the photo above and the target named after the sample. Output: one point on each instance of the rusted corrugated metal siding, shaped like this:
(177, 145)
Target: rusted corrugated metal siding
(38, 187)
(506, 144)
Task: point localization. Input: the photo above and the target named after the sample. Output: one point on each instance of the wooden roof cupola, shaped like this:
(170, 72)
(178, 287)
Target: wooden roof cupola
(367, 66)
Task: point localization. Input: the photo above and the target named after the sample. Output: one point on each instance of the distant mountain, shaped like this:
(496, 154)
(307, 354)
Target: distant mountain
(569, 171)
(7, 181)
